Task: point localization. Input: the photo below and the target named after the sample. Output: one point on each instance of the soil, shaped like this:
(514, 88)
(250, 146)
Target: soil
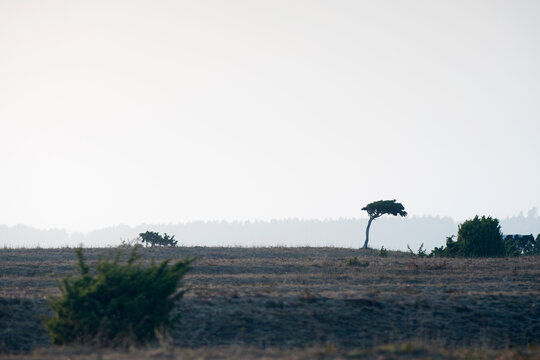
(300, 298)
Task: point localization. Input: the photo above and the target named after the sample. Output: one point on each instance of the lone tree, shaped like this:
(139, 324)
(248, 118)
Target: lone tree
(379, 208)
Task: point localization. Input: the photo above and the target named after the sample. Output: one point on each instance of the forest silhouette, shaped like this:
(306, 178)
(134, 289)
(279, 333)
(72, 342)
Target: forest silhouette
(392, 233)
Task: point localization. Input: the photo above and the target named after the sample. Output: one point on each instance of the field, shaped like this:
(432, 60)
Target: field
(303, 303)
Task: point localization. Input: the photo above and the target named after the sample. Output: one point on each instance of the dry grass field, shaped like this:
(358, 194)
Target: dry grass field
(303, 303)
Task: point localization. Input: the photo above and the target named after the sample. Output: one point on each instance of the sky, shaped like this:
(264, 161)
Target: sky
(129, 112)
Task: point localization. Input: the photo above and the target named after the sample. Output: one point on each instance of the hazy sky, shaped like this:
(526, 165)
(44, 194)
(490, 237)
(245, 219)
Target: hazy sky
(164, 111)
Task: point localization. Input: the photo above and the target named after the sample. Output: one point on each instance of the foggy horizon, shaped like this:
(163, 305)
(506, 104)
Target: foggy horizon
(531, 213)
(388, 231)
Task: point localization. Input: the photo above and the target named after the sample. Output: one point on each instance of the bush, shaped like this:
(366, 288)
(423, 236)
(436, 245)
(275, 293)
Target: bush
(117, 302)
(479, 237)
(451, 249)
(383, 252)
(355, 262)
(521, 245)
(536, 248)
(153, 238)
(421, 251)
(511, 248)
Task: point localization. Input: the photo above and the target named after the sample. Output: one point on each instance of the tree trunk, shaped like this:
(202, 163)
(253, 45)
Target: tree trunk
(367, 232)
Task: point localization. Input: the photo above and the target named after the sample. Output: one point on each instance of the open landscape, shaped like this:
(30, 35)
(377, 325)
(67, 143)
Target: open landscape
(283, 179)
(308, 302)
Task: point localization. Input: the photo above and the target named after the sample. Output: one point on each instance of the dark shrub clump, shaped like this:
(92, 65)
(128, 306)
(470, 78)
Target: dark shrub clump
(478, 237)
(481, 237)
(119, 302)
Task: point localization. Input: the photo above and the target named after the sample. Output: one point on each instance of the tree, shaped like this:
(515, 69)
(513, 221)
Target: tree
(153, 238)
(169, 240)
(150, 238)
(379, 208)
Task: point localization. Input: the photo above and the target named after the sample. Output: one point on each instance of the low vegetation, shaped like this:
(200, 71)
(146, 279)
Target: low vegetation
(482, 237)
(355, 262)
(394, 351)
(420, 253)
(153, 238)
(272, 302)
(118, 301)
(287, 302)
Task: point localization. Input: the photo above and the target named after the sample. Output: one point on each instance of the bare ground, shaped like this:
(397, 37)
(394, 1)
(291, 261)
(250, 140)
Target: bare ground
(307, 301)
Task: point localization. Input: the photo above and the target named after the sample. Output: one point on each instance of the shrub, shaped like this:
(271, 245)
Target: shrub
(355, 262)
(480, 237)
(536, 248)
(383, 252)
(452, 247)
(531, 246)
(449, 251)
(118, 302)
(126, 243)
(153, 238)
(511, 248)
(421, 251)
(516, 245)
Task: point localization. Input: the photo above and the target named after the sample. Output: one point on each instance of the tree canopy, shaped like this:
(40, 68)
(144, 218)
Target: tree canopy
(382, 207)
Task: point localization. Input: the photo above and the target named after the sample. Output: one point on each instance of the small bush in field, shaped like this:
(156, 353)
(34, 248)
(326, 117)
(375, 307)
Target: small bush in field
(451, 249)
(383, 252)
(355, 262)
(119, 302)
(421, 251)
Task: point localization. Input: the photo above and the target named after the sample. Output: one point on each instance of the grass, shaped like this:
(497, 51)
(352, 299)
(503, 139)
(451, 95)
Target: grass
(304, 303)
(329, 352)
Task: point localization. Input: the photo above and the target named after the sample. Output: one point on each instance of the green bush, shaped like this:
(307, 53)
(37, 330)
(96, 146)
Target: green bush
(153, 238)
(383, 252)
(118, 302)
(536, 248)
(451, 249)
(523, 245)
(511, 248)
(478, 237)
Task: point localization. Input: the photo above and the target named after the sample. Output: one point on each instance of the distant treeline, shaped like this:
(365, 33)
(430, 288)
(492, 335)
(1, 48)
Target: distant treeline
(393, 233)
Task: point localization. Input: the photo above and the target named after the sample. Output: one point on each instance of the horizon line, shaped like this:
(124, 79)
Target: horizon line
(248, 221)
